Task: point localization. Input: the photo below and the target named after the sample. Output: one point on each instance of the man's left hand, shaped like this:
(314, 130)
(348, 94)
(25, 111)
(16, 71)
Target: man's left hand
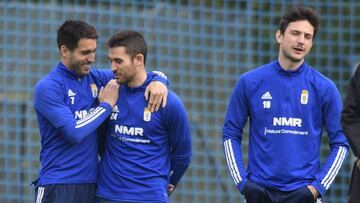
(158, 95)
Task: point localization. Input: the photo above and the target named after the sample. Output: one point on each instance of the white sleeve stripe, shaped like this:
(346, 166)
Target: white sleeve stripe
(335, 172)
(160, 74)
(333, 166)
(230, 166)
(230, 158)
(92, 117)
(237, 173)
(330, 176)
(89, 116)
(40, 194)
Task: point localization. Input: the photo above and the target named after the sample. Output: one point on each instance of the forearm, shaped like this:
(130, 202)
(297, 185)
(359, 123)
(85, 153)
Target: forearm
(331, 168)
(77, 130)
(178, 168)
(233, 154)
(159, 76)
(352, 132)
(350, 121)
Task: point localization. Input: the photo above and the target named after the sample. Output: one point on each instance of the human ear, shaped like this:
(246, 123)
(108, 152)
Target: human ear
(139, 59)
(278, 36)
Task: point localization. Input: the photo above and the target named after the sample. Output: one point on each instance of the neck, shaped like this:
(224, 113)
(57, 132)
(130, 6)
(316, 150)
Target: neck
(65, 63)
(289, 65)
(139, 78)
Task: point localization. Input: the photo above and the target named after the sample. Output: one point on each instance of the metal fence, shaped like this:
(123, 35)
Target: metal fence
(202, 46)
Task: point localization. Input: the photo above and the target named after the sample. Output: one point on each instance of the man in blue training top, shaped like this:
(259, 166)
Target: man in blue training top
(287, 103)
(70, 104)
(145, 153)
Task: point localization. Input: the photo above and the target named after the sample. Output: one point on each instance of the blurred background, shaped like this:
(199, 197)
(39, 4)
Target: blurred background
(203, 46)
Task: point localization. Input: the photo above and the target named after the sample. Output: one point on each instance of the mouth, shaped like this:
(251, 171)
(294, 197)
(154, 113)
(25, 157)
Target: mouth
(299, 49)
(119, 79)
(117, 76)
(86, 68)
(87, 65)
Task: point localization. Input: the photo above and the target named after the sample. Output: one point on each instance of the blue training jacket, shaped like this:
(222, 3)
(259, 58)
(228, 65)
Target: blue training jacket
(69, 114)
(144, 151)
(287, 111)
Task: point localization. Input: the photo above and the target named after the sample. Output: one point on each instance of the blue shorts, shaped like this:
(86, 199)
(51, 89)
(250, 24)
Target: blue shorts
(255, 193)
(69, 193)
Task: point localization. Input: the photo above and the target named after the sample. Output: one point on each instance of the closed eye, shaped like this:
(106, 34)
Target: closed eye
(116, 60)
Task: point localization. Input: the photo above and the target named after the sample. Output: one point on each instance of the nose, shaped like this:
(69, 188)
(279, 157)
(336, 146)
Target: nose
(113, 67)
(91, 57)
(301, 39)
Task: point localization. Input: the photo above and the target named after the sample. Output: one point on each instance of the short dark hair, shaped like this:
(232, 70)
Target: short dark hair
(71, 31)
(133, 42)
(299, 13)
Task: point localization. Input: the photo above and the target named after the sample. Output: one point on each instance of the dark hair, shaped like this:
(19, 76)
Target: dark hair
(71, 31)
(133, 42)
(299, 13)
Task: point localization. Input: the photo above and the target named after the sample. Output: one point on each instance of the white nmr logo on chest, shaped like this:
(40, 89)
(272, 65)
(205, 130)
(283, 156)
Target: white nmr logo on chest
(283, 121)
(129, 130)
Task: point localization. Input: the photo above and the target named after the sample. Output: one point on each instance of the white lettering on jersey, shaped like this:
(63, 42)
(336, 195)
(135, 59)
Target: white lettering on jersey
(113, 116)
(283, 121)
(266, 100)
(129, 130)
(71, 94)
(82, 113)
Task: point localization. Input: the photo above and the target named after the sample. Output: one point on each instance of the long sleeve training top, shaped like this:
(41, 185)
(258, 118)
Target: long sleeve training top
(144, 151)
(286, 111)
(68, 114)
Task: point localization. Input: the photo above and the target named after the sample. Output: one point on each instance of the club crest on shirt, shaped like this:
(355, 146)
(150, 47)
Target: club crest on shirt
(147, 114)
(94, 90)
(304, 97)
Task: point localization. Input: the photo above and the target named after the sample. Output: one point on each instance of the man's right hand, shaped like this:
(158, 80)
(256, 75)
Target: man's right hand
(313, 191)
(358, 163)
(170, 189)
(109, 93)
